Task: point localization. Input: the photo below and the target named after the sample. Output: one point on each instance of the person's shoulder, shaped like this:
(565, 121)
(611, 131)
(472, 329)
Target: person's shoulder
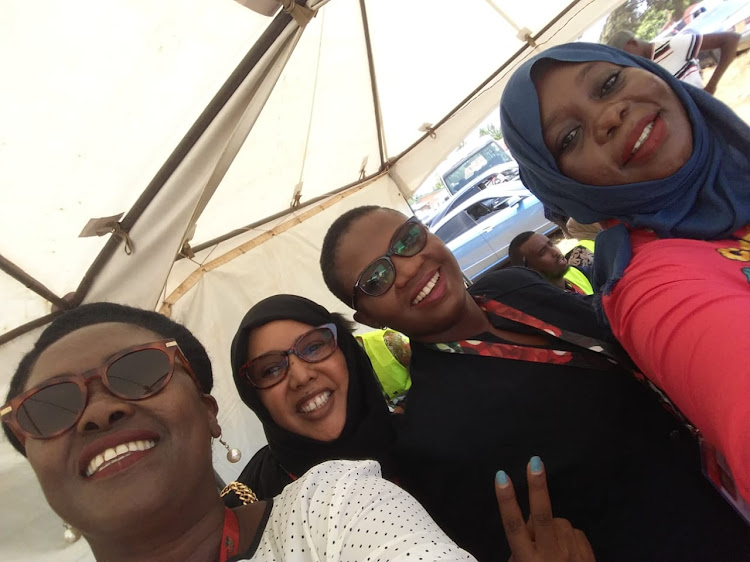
(499, 282)
(684, 44)
(327, 476)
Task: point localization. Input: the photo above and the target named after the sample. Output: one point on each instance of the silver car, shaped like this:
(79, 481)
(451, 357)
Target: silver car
(479, 230)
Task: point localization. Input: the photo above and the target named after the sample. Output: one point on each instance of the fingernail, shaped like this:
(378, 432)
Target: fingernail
(535, 464)
(501, 478)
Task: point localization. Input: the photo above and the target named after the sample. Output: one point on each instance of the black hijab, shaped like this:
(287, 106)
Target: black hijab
(368, 432)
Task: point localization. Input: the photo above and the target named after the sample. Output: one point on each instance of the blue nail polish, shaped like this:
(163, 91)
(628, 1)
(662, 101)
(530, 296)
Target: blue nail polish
(535, 464)
(501, 478)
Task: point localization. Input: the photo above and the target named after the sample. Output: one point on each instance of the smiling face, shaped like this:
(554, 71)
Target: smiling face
(167, 437)
(311, 400)
(428, 295)
(543, 256)
(611, 125)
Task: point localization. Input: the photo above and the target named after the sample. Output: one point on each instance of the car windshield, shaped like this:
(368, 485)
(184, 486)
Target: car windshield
(474, 165)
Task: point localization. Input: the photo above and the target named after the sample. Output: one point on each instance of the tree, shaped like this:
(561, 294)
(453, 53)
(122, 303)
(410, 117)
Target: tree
(627, 16)
(652, 14)
(652, 23)
(492, 131)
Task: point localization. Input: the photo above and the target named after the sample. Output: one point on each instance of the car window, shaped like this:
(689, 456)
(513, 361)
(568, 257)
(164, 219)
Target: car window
(455, 226)
(471, 167)
(484, 208)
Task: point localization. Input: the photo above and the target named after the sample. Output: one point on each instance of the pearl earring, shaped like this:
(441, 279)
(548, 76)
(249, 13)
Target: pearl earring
(233, 455)
(71, 534)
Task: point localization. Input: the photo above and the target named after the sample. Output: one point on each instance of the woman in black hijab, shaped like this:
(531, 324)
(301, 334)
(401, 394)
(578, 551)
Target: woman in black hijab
(368, 431)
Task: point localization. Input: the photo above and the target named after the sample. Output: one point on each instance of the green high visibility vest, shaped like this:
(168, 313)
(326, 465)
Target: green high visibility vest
(393, 376)
(576, 276)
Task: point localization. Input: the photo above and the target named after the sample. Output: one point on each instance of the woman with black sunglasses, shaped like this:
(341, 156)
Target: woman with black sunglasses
(112, 410)
(298, 367)
(513, 367)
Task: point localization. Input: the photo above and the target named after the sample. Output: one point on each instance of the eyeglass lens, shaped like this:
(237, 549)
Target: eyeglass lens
(408, 241)
(312, 347)
(56, 407)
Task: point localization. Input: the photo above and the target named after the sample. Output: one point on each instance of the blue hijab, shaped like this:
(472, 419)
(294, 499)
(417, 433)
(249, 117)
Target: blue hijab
(708, 198)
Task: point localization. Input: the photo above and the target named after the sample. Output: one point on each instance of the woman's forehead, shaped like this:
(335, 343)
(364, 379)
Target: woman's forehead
(87, 348)
(366, 240)
(277, 335)
(371, 229)
(575, 71)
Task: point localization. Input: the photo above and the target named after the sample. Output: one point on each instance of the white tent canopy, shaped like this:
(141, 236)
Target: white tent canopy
(112, 107)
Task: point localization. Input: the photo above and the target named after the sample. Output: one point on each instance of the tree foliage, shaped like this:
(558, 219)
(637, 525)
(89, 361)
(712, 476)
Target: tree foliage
(651, 14)
(492, 131)
(652, 23)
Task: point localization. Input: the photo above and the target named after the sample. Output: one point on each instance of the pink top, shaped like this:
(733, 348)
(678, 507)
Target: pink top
(682, 311)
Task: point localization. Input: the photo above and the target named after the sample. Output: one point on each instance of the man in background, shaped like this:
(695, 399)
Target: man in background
(679, 53)
(537, 252)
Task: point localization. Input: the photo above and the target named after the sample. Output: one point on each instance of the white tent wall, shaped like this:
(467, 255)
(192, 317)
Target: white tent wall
(318, 130)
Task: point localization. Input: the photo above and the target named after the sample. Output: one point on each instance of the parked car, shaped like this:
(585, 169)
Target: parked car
(489, 162)
(479, 230)
(498, 189)
(727, 15)
(714, 16)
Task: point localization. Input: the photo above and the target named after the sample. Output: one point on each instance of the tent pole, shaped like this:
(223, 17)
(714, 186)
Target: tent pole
(30, 283)
(504, 15)
(374, 85)
(197, 275)
(21, 330)
(236, 232)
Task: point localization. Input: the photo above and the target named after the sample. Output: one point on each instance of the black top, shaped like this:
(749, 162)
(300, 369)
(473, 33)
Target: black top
(619, 467)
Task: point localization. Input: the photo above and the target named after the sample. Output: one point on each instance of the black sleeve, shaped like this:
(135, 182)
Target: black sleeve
(528, 291)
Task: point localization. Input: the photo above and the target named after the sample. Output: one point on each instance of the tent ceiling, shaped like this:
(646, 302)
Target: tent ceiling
(97, 95)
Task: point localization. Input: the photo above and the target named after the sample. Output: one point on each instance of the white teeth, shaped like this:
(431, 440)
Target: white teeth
(114, 454)
(427, 289)
(315, 403)
(644, 135)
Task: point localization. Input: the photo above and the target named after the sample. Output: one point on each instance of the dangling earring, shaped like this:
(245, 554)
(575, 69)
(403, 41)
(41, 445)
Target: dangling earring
(233, 455)
(71, 534)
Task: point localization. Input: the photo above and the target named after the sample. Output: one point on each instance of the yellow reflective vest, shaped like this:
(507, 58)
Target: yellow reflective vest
(577, 278)
(393, 376)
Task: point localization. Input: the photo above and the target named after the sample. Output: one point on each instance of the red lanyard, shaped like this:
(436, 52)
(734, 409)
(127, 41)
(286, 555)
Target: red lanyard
(230, 538)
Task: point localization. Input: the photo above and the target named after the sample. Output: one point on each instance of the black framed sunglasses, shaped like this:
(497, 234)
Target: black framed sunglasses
(378, 277)
(54, 406)
(271, 368)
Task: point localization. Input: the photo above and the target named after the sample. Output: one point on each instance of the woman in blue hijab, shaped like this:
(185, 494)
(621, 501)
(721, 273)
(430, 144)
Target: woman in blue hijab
(604, 136)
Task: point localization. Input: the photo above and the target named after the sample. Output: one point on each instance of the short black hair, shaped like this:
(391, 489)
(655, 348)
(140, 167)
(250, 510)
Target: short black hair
(99, 313)
(514, 249)
(333, 236)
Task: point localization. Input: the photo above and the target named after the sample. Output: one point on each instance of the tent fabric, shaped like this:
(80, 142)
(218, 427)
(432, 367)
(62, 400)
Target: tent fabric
(98, 95)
